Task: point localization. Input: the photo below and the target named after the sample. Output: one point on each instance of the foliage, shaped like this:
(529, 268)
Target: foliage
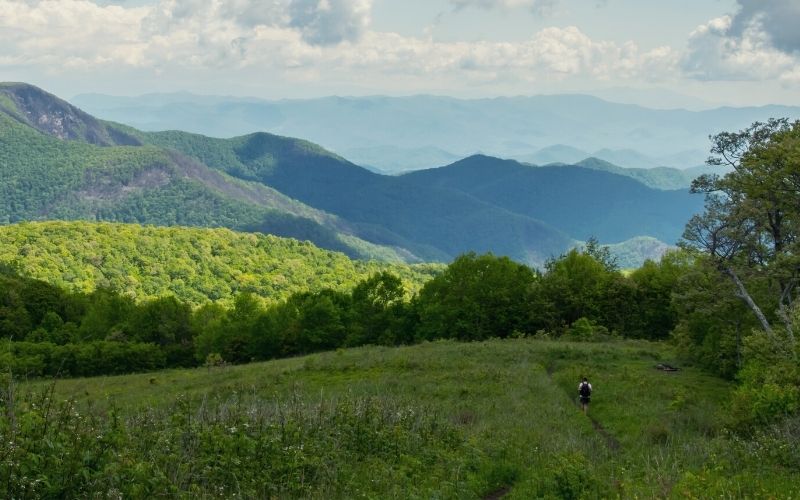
(194, 265)
(712, 321)
(750, 226)
(770, 382)
(475, 298)
(748, 235)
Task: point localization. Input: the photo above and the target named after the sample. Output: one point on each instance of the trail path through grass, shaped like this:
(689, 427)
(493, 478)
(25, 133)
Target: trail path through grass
(511, 400)
(612, 442)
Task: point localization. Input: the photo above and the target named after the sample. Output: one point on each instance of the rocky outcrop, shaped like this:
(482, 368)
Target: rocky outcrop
(55, 117)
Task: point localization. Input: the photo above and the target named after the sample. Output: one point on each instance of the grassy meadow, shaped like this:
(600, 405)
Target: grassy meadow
(438, 420)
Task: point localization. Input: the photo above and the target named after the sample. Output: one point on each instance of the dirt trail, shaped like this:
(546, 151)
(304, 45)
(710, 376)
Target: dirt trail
(498, 493)
(612, 442)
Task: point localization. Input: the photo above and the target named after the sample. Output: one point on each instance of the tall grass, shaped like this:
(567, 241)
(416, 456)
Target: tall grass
(438, 420)
(239, 446)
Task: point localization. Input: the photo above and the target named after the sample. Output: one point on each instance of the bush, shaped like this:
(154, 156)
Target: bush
(770, 382)
(570, 476)
(29, 359)
(584, 330)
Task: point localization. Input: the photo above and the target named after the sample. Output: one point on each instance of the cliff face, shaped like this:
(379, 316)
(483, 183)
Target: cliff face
(55, 117)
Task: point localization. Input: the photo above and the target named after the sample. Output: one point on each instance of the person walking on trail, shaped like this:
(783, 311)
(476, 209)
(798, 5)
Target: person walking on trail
(585, 394)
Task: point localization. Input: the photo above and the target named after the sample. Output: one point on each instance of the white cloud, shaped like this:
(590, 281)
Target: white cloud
(536, 6)
(328, 22)
(70, 32)
(720, 50)
(305, 37)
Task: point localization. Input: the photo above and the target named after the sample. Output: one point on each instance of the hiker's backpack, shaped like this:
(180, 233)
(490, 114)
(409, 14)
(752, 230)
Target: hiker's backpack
(585, 391)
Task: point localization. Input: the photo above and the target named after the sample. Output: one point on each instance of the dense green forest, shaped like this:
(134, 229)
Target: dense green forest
(195, 265)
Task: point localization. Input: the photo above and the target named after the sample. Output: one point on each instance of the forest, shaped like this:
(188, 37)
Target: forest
(580, 296)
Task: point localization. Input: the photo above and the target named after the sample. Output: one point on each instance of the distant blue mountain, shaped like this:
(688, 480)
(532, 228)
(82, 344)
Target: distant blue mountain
(509, 127)
(580, 201)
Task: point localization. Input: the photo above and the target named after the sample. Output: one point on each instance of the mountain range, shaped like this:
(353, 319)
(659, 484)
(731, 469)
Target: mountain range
(394, 134)
(58, 162)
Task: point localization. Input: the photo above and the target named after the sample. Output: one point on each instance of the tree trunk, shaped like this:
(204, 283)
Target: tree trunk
(784, 311)
(744, 295)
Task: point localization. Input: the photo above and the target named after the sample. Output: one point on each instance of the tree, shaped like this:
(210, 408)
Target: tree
(750, 226)
(475, 298)
(601, 254)
(652, 312)
(574, 287)
(374, 304)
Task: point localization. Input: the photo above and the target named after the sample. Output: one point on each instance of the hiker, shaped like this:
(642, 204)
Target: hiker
(585, 394)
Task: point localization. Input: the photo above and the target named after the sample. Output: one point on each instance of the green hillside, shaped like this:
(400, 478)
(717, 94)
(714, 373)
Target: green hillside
(431, 222)
(440, 420)
(56, 162)
(632, 253)
(195, 265)
(580, 201)
(664, 178)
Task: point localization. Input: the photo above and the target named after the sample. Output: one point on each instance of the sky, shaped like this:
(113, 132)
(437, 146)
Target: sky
(681, 53)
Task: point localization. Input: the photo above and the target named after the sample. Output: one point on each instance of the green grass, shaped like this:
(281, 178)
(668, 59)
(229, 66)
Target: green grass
(512, 404)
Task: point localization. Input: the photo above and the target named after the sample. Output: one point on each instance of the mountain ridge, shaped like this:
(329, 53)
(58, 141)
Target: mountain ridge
(509, 127)
(146, 184)
(584, 202)
(293, 187)
(77, 176)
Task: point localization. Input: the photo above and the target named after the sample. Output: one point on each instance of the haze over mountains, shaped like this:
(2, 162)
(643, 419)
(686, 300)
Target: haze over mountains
(395, 134)
(58, 162)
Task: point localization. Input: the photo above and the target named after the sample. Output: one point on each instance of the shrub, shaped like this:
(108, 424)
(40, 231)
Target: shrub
(770, 382)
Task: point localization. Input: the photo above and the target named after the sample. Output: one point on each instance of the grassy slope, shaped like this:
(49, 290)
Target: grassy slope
(514, 401)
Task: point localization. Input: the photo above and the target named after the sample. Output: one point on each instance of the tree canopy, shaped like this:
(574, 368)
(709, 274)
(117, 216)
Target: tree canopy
(750, 225)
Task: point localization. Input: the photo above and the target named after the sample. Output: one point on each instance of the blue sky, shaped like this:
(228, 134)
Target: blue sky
(682, 52)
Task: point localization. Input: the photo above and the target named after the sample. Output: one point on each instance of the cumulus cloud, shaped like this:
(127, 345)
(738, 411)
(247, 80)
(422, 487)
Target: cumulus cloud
(537, 6)
(778, 19)
(71, 33)
(319, 22)
(759, 42)
(299, 41)
(327, 22)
